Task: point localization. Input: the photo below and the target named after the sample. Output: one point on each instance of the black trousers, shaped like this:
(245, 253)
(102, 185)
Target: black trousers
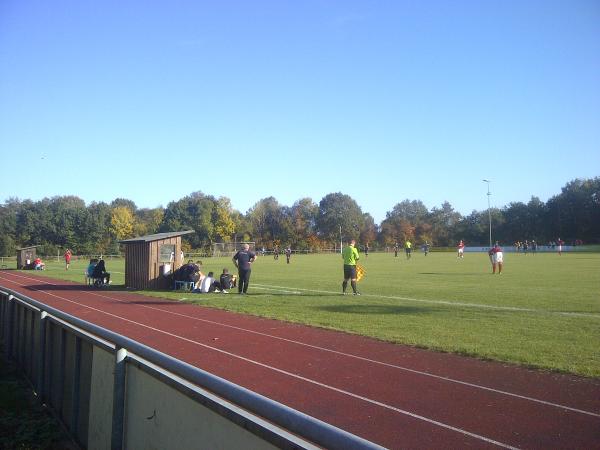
(244, 280)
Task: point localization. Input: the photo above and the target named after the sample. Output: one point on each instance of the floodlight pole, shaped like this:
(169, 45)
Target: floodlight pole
(341, 242)
(489, 212)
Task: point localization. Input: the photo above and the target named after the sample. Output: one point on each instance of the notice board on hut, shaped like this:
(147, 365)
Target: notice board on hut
(25, 257)
(149, 260)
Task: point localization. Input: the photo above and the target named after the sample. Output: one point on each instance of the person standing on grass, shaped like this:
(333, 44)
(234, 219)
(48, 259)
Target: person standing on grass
(68, 255)
(461, 249)
(560, 244)
(350, 256)
(288, 254)
(408, 249)
(497, 258)
(243, 260)
(426, 248)
(396, 247)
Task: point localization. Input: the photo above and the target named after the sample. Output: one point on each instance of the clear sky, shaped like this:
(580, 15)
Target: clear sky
(381, 100)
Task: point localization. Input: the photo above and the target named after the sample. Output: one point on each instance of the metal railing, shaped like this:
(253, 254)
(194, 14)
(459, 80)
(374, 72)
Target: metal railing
(62, 357)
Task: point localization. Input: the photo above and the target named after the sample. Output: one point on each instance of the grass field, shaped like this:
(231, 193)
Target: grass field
(543, 311)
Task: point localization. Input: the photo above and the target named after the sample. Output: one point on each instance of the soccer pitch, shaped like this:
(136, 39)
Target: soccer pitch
(543, 311)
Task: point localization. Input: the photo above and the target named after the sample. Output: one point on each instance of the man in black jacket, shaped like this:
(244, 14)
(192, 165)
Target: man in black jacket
(243, 260)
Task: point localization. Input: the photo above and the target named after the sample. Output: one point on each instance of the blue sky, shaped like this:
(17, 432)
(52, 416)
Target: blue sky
(380, 100)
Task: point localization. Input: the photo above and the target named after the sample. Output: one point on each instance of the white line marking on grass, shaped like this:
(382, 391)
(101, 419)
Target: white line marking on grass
(261, 287)
(290, 374)
(407, 369)
(444, 302)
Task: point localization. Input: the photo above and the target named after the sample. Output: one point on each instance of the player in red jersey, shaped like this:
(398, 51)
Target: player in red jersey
(560, 244)
(496, 258)
(461, 249)
(68, 255)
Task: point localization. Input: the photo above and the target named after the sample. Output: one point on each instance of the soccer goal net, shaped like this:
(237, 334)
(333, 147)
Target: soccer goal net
(229, 248)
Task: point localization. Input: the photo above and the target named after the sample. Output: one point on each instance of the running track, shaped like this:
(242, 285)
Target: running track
(396, 396)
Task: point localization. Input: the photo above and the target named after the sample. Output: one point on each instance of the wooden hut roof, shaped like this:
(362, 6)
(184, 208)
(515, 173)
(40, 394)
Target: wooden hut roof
(31, 246)
(155, 237)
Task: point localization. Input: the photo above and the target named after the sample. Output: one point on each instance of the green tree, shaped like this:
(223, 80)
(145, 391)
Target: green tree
(25, 224)
(339, 211)
(474, 228)
(7, 245)
(98, 231)
(368, 232)
(303, 218)
(575, 212)
(413, 211)
(516, 227)
(126, 203)
(443, 220)
(404, 220)
(268, 220)
(8, 221)
(147, 221)
(243, 227)
(70, 213)
(195, 211)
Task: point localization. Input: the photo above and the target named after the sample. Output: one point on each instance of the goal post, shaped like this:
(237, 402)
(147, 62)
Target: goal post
(229, 248)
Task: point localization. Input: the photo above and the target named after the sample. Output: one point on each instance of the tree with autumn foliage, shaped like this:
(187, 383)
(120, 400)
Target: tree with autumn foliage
(121, 222)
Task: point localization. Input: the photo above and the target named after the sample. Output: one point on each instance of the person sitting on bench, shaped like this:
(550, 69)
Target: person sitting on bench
(100, 272)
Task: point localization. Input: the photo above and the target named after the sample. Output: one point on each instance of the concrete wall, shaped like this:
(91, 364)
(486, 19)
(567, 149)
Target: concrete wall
(160, 417)
(101, 400)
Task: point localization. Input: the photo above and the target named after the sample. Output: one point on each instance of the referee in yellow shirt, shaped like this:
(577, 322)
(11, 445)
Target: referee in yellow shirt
(350, 256)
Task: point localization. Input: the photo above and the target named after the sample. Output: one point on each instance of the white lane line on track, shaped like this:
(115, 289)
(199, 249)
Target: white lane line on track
(361, 358)
(443, 302)
(284, 372)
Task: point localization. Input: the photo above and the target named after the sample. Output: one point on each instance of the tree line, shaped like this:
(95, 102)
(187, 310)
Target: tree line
(64, 222)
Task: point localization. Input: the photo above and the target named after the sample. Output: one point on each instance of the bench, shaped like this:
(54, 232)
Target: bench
(93, 281)
(88, 280)
(184, 285)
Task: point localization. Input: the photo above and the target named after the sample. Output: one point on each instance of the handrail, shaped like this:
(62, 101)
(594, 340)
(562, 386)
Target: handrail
(303, 425)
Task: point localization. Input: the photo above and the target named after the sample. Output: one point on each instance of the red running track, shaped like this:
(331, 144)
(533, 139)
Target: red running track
(396, 396)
